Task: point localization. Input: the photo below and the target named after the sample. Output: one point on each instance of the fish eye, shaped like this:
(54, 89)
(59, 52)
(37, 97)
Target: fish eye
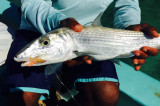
(44, 41)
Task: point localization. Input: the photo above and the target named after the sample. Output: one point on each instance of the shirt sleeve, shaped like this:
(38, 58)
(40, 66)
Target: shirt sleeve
(41, 14)
(127, 12)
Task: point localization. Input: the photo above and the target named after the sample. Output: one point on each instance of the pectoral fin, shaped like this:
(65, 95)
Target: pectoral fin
(53, 68)
(117, 61)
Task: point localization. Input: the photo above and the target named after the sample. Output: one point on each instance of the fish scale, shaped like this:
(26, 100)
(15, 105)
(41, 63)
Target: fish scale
(101, 43)
(112, 43)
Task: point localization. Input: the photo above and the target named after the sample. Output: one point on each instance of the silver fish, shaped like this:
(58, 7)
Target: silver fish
(101, 43)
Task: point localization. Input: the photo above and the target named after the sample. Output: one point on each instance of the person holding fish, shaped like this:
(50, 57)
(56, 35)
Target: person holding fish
(96, 81)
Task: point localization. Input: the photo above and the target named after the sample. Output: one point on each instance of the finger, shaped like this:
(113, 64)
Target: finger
(89, 61)
(70, 63)
(86, 59)
(71, 23)
(76, 26)
(150, 51)
(80, 60)
(140, 54)
(138, 61)
(134, 27)
(149, 30)
(137, 67)
(145, 28)
(83, 58)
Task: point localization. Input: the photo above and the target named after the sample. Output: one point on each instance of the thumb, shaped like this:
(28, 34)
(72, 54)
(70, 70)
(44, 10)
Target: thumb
(71, 23)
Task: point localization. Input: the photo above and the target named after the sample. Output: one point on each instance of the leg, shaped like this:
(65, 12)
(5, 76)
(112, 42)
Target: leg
(26, 84)
(97, 83)
(31, 98)
(102, 93)
(23, 99)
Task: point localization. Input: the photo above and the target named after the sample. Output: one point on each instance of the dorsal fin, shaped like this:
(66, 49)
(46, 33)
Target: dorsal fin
(97, 21)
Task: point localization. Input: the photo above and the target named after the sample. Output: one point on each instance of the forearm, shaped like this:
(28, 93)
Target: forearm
(41, 15)
(127, 12)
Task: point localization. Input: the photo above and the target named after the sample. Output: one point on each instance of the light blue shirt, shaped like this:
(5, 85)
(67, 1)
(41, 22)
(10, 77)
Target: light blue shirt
(45, 15)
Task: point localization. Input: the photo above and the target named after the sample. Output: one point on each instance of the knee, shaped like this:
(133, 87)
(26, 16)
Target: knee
(31, 98)
(31, 95)
(103, 93)
(108, 95)
(23, 99)
(109, 98)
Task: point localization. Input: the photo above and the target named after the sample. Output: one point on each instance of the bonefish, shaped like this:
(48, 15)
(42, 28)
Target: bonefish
(99, 42)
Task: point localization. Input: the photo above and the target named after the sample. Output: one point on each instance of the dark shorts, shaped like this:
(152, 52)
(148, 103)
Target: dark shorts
(33, 79)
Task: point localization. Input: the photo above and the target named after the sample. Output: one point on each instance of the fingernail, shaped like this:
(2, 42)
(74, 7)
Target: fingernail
(78, 28)
(137, 68)
(88, 61)
(135, 62)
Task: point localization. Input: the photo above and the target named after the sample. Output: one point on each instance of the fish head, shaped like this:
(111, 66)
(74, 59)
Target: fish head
(53, 47)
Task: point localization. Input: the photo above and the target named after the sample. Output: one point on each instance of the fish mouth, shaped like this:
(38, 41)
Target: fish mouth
(36, 61)
(31, 63)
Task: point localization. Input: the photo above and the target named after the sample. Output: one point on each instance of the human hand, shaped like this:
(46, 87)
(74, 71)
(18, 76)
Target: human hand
(78, 61)
(144, 52)
(73, 24)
